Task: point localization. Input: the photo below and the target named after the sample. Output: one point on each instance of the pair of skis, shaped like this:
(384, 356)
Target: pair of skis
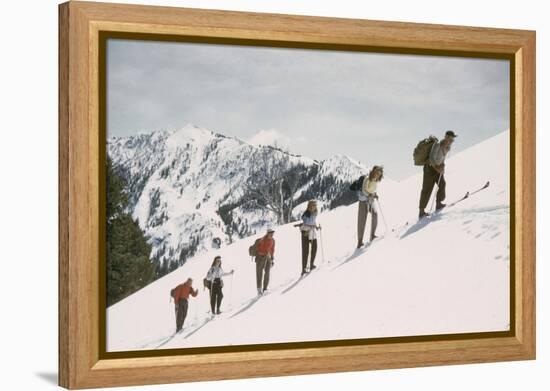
(467, 195)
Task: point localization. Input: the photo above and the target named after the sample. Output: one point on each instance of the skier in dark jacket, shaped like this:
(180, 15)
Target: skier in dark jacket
(367, 196)
(434, 172)
(181, 299)
(308, 230)
(215, 277)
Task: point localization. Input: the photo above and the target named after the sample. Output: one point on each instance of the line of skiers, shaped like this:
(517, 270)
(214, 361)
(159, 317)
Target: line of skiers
(429, 153)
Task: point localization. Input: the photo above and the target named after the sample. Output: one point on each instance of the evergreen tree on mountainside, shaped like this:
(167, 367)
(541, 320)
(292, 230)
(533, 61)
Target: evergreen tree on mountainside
(129, 267)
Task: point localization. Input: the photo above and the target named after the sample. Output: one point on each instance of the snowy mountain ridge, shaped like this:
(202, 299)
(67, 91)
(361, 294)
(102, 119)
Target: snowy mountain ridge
(192, 189)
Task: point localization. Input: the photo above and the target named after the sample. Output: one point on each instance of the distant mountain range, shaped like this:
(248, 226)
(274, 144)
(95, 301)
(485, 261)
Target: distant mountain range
(193, 189)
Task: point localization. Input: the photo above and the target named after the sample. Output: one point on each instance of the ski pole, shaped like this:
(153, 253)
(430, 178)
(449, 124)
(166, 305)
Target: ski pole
(322, 247)
(435, 195)
(210, 292)
(231, 291)
(382, 214)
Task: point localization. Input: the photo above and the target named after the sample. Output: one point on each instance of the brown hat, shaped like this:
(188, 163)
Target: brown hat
(450, 133)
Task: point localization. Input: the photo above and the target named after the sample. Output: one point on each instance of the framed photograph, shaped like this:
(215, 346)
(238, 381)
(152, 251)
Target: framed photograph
(246, 195)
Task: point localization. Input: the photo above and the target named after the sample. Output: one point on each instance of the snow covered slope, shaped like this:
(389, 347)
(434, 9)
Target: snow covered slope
(446, 274)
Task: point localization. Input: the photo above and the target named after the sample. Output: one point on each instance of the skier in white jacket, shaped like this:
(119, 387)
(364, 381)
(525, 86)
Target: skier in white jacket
(308, 230)
(215, 278)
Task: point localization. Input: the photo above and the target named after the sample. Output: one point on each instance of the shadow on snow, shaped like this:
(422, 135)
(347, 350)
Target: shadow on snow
(295, 283)
(420, 224)
(247, 306)
(357, 253)
(194, 329)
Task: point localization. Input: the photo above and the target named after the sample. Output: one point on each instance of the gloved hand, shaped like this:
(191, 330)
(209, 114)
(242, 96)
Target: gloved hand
(272, 263)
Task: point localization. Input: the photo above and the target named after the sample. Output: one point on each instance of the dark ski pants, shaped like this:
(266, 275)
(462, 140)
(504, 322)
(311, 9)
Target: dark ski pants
(431, 177)
(263, 267)
(216, 296)
(362, 214)
(181, 313)
(305, 249)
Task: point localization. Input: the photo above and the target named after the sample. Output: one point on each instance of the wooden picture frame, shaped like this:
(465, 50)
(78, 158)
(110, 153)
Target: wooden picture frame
(82, 362)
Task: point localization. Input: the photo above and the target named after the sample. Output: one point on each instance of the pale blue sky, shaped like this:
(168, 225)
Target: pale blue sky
(372, 107)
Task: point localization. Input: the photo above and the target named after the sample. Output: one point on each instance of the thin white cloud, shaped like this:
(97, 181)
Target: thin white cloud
(271, 137)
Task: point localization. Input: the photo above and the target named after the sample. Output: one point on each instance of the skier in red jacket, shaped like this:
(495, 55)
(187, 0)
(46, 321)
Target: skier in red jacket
(264, 260)
(181, 300)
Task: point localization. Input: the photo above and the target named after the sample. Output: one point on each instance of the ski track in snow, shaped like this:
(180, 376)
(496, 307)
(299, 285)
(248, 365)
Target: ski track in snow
(387, 288)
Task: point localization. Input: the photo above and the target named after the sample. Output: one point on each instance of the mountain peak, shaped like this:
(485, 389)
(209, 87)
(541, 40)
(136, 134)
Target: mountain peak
(344, 165)
(341, 158)
(189, 134)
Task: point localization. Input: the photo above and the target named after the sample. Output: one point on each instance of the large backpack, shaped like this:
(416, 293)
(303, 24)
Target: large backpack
(357, 184)
(253, 250)
(421, 153)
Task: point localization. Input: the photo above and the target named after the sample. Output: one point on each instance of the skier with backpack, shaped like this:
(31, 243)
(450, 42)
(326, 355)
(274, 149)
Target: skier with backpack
(366, 187)
(308, 230)
(180, 294)
(431, 153)
(214, 282)
(263, 251)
